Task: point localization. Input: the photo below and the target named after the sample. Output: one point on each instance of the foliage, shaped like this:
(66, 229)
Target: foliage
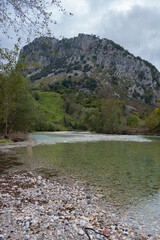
(148, 95)
(134, 121)
(115, 45)
(91, 119)
(68, 85)
(141, 75)
(87, 68)
(26, 113)
(153, 120)
(55, 64)
(43, 125)
(113, 116)
(51, 108)
(18, 109)
(5, 141)
(11, 85)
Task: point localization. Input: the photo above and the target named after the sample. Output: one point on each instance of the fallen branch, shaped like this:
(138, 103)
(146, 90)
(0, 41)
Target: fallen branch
(86, 229)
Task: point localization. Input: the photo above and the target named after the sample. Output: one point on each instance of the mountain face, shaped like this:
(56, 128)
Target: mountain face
(107, 63)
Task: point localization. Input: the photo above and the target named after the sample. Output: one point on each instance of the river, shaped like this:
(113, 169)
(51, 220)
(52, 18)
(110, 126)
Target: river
(124, 170)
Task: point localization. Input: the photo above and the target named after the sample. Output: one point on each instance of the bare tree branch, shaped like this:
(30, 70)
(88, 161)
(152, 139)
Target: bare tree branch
(31, 15)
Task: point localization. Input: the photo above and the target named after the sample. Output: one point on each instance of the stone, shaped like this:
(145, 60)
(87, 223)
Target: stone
(81, 232)
(61, 212)
(1, 237)
(27, 237)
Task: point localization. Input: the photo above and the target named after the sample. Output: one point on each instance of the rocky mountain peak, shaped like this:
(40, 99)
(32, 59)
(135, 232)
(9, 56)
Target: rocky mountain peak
(109, 64)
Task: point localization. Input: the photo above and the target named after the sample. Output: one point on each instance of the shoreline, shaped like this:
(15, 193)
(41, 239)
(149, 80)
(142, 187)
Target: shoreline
(34, 208)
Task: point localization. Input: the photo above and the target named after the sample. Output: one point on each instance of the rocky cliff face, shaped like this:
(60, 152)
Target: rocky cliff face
(108, 63)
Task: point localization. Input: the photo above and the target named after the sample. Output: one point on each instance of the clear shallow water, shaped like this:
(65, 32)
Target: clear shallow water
(125, 169)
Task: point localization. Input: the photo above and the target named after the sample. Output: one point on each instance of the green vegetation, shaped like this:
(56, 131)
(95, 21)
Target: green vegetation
(73, 102)
(153, 120)
(66, 104)
(93, 111)
(5, 141)
(52, 104)
(11, 85)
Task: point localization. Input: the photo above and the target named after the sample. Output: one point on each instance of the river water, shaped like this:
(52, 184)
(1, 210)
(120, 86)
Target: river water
(124, 170)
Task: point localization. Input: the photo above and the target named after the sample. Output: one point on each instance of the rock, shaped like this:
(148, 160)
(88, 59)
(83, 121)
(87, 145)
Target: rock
(27, 224)
(27, 237)
(34, 222)
(58, 232)
(82, 223)
(131, 74)
(60, 212)
(39, 177)
(81, 232)
(1, 237)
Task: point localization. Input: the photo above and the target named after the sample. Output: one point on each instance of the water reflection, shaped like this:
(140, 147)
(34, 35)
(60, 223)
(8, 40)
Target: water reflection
(29, 146)
(9, 160)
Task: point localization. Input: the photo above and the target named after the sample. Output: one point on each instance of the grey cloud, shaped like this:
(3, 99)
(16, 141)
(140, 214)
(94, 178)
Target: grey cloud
(138, 30)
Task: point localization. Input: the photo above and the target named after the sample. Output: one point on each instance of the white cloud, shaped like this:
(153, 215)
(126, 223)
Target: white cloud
(126, 5)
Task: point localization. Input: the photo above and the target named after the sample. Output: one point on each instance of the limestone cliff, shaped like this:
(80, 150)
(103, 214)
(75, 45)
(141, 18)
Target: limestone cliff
(107, 62)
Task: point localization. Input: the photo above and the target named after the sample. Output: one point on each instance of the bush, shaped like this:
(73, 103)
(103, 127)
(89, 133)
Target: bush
(43, 125)
(36, 96)
(148, 96)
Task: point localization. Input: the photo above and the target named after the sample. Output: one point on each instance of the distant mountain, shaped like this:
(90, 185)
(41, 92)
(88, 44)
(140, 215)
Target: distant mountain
(88, 56)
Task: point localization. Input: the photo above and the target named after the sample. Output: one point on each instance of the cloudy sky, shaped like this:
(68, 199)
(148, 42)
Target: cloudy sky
(134, 24)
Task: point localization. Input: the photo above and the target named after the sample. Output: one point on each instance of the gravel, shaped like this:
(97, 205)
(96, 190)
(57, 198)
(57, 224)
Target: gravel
(35, 208)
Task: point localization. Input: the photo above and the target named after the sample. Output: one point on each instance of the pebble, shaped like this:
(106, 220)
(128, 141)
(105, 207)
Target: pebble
(34, 208)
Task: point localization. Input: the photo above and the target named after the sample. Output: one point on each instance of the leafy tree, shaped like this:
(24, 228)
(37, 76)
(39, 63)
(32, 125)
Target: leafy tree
(157, 110)
(11, 85)
(91, 119)
(134, 121)
(113, 116)
(148, 96)
(26, 112)
(153, 120)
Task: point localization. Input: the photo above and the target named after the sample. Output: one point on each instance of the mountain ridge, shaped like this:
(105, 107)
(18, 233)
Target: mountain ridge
(88, 56)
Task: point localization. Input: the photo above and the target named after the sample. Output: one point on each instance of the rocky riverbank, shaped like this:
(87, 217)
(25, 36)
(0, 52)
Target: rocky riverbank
(34, 208)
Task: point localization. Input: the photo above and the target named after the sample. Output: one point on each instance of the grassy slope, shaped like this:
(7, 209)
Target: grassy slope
(52, 104)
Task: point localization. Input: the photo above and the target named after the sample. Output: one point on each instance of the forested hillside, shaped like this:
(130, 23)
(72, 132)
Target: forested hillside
(82, 83)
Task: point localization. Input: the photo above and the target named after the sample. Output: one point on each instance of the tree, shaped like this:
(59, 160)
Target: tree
(153, 120)
(91, 119)
(134, 121)
(31, 17)
(26, 112)
(11, 85)
(113, 116)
